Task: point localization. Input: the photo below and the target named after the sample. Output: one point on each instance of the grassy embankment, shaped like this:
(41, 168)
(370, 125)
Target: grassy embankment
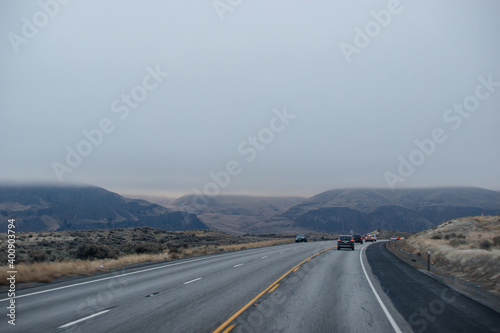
(468, 248)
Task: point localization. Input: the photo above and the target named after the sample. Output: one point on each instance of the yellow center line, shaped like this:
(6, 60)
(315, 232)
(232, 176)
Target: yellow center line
(274, 288)
(227, 330)
(240, 311)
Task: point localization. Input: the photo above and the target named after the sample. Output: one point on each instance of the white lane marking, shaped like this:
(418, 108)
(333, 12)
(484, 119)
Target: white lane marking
(117, 276)
(264, 257)
(198, 279)
(387, 314)
(238, 265)
(85, 318)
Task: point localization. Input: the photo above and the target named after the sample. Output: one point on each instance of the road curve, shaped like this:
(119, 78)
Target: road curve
(305, 287)
(424, 303)
(329, 293)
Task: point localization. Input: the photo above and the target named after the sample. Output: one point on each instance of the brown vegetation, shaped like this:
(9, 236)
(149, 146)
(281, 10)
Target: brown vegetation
(44, 256)
(386, 234)
(468, 248)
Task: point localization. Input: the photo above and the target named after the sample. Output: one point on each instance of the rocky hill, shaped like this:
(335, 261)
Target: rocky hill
(233, 213)
(51, 208)
(362, 210)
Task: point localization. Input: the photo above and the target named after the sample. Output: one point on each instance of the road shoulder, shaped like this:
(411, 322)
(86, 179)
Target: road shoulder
(401, 322)
(466, 288)
(426, 304)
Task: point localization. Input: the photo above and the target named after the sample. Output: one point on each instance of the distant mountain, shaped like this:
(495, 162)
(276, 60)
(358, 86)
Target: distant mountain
(233, 213)
(51, 208)
(363, 210)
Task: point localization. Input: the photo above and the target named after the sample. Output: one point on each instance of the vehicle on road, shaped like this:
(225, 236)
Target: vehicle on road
(300, 238)
(358, 239)
(393, 238)
(345, 241)
(371, 238)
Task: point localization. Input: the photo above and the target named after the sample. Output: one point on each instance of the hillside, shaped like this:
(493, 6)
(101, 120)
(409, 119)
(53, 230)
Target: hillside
(465, 248)
(363, 210)
(51, 208)
(233, 213)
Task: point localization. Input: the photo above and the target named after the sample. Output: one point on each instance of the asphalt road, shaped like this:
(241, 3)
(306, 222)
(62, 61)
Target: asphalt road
(290, 288)
(424, 303)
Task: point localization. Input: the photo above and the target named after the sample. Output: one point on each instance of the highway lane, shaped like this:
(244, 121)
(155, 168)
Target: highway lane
(330, 293)
(305, 287)
(192, 295)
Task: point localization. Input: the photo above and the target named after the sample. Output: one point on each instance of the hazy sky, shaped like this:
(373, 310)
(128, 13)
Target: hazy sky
(269, 97)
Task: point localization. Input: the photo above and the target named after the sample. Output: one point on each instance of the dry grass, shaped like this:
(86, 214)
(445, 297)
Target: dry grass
(243, 246)
(468, 248)
(48, 271)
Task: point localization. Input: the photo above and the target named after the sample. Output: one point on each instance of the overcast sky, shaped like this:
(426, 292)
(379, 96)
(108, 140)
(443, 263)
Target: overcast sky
(269, 97)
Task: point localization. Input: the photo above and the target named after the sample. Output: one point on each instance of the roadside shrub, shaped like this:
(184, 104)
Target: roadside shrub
(147, 248)
(38, 255)
(438, 236)
(457, 242)
(97, 251)
(128, 248)
(496, 240)
(485, 244)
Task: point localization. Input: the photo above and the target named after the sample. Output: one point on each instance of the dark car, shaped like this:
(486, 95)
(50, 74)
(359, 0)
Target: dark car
(345, 241)
(358, 239)
(300, 238)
